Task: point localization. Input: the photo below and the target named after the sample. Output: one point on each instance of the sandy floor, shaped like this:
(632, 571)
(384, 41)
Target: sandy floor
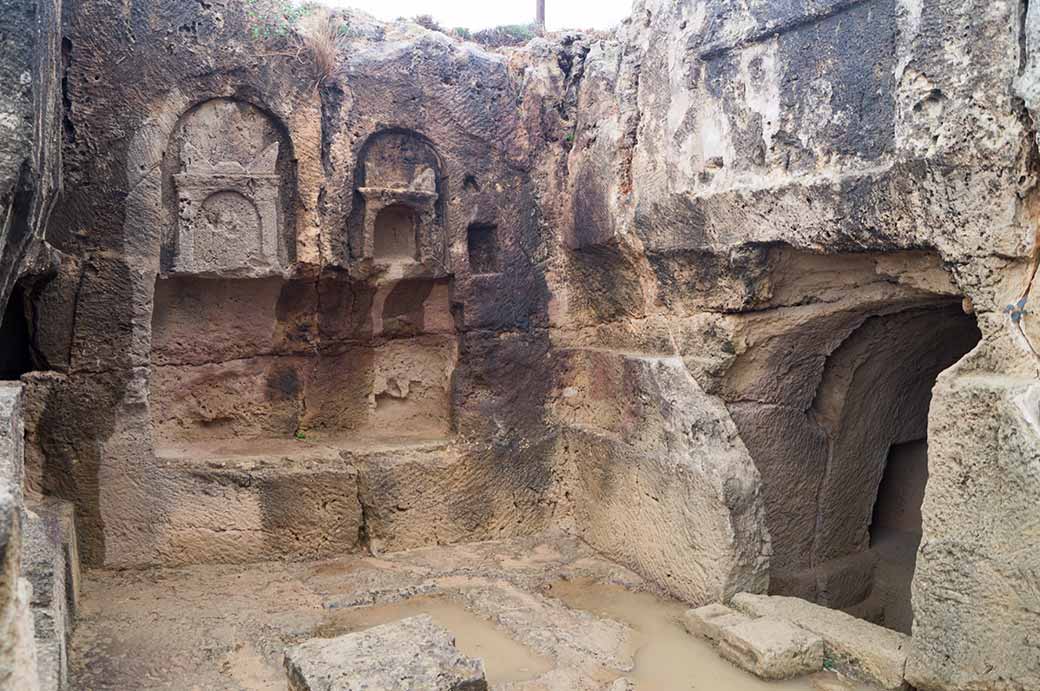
(543, 613)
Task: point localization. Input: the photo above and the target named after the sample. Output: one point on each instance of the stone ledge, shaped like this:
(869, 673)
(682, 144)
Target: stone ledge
(257, 510)
(837, 583)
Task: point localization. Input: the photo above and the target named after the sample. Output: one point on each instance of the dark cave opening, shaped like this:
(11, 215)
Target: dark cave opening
(16, 356)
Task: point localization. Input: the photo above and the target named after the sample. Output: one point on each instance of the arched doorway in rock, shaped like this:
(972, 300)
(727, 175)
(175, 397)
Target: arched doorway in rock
(830, 391)
(872, 403)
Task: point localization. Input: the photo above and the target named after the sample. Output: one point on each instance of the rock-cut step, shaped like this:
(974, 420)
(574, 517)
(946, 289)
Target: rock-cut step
(287, 499)
(284, 503)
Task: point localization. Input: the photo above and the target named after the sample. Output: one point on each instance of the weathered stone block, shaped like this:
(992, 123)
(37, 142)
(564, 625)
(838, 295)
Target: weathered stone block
(12, 434)
(857, 647)
(436, 493)
(836, 583)
(657, 465)
(572, 637)
(709, 621)
(51, 564)
(413, 653)
(17, 648)
(772, 648)
(846, 581)
(975, 587)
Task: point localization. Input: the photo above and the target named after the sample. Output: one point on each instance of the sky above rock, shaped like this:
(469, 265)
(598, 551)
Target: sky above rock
(480, 14)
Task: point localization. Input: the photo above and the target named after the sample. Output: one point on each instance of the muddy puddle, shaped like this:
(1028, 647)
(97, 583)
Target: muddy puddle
(505, 660)
(667, 658)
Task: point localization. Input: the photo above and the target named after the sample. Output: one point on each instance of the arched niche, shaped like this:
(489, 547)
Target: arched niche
(228, 183)
(399, 182)
(398, 159)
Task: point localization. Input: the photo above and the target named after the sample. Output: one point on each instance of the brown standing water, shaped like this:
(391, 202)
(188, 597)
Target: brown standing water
(505, 660)
(538, 612)
(667, 658)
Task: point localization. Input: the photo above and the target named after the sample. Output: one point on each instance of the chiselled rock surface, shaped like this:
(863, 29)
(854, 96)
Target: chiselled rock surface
(17, 644)
(286, 262)
(232, 504)
(744, 151)
(19, 659)
(662, 483)
(979, 535)
(30, 135)
(413, 653)
(12, 438)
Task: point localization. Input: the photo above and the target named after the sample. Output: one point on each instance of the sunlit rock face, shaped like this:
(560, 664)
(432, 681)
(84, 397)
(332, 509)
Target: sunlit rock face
(698, 292)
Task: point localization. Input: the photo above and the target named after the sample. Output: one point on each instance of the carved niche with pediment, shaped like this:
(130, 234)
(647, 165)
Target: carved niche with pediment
(398, 181)
(226, 168)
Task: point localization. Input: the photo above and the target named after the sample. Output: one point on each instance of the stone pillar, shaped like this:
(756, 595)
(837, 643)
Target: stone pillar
(976, 590)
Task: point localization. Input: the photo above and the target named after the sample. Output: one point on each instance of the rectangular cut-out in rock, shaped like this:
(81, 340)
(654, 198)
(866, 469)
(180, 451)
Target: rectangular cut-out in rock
(482, 245)
(269, 358)
(394, 233)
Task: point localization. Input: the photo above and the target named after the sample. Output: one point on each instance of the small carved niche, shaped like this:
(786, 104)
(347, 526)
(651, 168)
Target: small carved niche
(395, 233)
(223, 176)
(398, 184)
(482, 243)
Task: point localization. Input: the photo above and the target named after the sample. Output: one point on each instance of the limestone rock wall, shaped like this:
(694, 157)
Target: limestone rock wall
(30, 134)
(678, 291)
(30, 170)
(295, 283)
(723, 141)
